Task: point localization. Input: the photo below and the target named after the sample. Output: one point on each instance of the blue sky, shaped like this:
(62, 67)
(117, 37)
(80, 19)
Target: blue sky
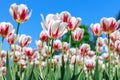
(91, 11)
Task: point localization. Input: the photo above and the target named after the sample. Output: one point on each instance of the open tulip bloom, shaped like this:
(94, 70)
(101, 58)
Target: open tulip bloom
(57, 58)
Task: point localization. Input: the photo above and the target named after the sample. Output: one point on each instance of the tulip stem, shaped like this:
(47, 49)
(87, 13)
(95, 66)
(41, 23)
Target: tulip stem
(1, 44)
(13, 64)
(109, 67)
(18, 26)
(69, 44)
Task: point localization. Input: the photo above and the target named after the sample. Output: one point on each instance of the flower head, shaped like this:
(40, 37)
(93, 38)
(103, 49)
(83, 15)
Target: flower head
(77, 34)
(109, 25)
(20, 13)
(96, 29)
(5, 29)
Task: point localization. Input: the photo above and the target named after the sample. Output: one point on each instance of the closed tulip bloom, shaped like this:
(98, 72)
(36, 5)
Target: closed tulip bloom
(65, 16)
(44, 36)
(84, 49)
(77, 34)
(117, 46)
(56, 29)
(65, 47)
(40, 44)
(5, 29)
(96, 29)
(109, 25)
(11, 38)
(100, 42)
(115, 36)
(73, 23)
(24, 40)
(57, 45)
(90, 64)
(20, 13)
(29, 51)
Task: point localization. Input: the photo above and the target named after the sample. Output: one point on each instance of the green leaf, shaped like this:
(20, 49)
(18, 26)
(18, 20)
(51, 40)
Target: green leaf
(8, 73)
(67, 75)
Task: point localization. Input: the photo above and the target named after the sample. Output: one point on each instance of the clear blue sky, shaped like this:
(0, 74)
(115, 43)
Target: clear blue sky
(91, 11)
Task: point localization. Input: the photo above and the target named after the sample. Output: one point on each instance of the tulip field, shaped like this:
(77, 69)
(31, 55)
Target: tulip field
(57, 59)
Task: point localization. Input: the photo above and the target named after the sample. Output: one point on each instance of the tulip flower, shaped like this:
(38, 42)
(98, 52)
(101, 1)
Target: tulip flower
(73, 23)
(65, 47)
(109, 25)
(96, 29)
(100, 42)
(115, 36)
(43, 36)
(40, 44)
(57, 45)
(117, 46)
(77, 34)
(84, 49)
(20, 13)
(56, 29)
(45, 22)
(29, 51)
(65, 16)
(11, 38)
(5, 29)
(90, 64)
(24, 40)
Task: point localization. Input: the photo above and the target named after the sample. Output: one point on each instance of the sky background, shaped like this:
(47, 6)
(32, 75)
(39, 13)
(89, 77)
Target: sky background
(91, 11)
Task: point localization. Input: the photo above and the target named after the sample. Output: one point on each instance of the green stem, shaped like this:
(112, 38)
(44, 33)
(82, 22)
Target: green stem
(109, 63)
(51, 54)
(13, 64)
(69, 44)
(1, 44)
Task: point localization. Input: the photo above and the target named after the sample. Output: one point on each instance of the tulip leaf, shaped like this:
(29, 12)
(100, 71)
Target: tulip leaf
(8, 73)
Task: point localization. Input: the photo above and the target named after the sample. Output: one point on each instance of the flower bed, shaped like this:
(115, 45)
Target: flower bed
(57, 59)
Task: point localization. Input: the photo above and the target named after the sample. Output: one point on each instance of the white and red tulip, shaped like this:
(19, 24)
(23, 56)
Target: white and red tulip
(65, 16)
(96, 29)
(24, 40)
(109, 25)
(44, 36)
(5, 29)
(73, 23)
(77, 34)
(57, 45)
(84, 49)
(20, 13)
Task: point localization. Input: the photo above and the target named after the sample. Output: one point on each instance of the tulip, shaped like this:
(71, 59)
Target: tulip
(43, 36)
(84, 49)
(115, 36)
(117, 46)
(11, 38)
(100, 42)
(56, 29)
(65, 16)
(20, 13)
(74, 23)
(109, 25)
(96, 29)
(65, 47)
(40, 44)
(57, 45)
(3, 70)
(29, 51)
(77, 34)
(18, 48)
(49, 18)
(24, 40)
(90, 64)
(5, 29)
